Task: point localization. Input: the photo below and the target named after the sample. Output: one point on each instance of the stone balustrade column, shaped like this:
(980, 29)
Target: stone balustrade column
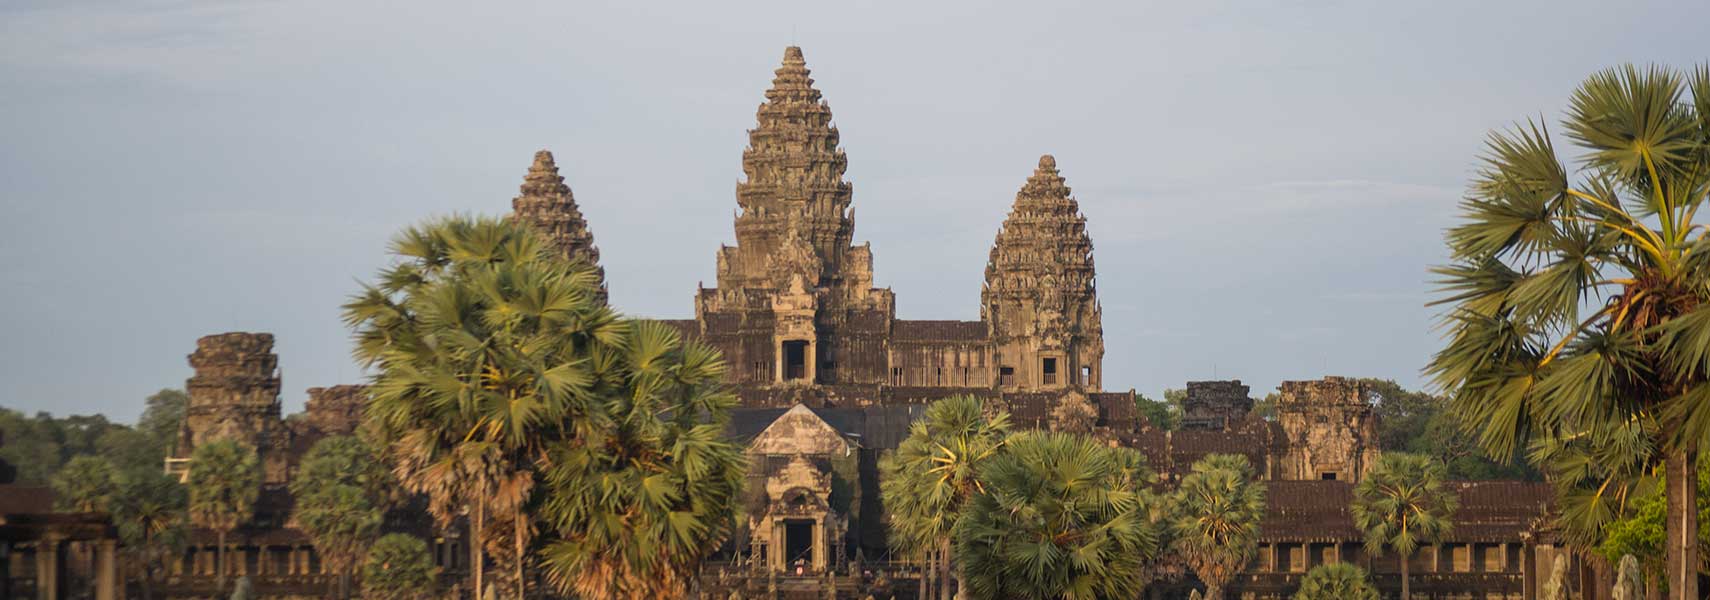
(48, 569)
(107, 570)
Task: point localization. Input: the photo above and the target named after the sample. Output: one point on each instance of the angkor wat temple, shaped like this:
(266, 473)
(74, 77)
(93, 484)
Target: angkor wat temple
(829, 379)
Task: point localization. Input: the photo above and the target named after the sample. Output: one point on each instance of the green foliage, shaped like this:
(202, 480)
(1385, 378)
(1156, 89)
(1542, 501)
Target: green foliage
(39, 446)
(86, 484)
(129, 449)
(348, 461)
(340, 492)
(1421, 423)
(487, 351)
(399, 567)
(1336, 581)
(1579, 302)
(1640, 532)
(150, 510)
(932, 473)
(162, 416)
(1162, 415)
(1060, 516)
(506, 389)
(635, 508)
(1215, 527)
(224, 482)
(1403, 503)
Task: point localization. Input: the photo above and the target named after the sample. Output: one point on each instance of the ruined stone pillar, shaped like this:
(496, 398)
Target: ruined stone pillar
(48, 569)
(774, 547)
(107, 570)
(819, 544)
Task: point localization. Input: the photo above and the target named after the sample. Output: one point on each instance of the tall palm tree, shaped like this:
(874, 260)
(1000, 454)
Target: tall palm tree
(933, 473)
(1402, 503)
(225, 480)
(482, 344)
(1215, 528)
(637, 499)
(1578, 299)
(1057, 516)
(150, 511)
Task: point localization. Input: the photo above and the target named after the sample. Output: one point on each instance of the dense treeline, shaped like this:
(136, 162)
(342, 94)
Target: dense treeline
(38, 446)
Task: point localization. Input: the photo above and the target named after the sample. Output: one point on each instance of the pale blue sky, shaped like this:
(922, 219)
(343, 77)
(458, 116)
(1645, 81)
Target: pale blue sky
(1266, 182)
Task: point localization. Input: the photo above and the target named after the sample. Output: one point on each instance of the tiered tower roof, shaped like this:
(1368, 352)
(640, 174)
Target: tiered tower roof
(795, 217)
(547, 204)
(1042, 250)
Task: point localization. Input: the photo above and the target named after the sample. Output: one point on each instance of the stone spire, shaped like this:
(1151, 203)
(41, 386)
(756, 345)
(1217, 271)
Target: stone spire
(547, 204)
(1040, 297)
(795, 219)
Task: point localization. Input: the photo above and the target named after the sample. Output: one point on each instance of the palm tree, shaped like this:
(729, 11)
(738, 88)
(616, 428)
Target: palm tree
(482, 344)
(1216, 524)
(225, 480)
(1336, 581)
(933, 473)
(85, 484)
(1539, 247)
(1057, 516)
(638, 500)
(342, 520)
(150, 511)
(1402, 504)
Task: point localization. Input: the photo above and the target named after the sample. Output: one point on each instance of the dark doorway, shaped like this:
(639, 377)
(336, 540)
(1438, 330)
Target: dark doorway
(798, 543)
(1050, 371)
(795, 359)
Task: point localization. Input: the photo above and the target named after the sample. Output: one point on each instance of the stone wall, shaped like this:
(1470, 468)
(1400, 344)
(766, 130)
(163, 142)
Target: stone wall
(1331, 431)
(1215, 405)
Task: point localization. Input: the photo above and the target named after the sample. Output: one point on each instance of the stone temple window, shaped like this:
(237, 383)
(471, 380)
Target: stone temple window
(1327, 476)
(795, 359)
(1006, 376)
(1086, 375)
(1049, 371)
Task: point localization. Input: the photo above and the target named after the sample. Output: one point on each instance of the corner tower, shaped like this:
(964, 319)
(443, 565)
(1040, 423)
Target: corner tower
(1040, 299)
(795, 302)
(547, 204)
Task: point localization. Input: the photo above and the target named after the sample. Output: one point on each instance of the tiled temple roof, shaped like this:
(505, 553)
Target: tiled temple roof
(1318, 511)
(938, 331)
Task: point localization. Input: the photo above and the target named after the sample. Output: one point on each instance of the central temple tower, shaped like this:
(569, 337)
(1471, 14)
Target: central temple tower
(795, 298)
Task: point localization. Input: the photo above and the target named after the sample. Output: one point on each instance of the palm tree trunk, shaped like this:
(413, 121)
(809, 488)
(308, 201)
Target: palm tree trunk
(944, 569)
(220, 561)
(475, 546)
(344, 584)
(1680, 468)
(1213, 591)
(519, 557)
(926, 572)
(1405, 590)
